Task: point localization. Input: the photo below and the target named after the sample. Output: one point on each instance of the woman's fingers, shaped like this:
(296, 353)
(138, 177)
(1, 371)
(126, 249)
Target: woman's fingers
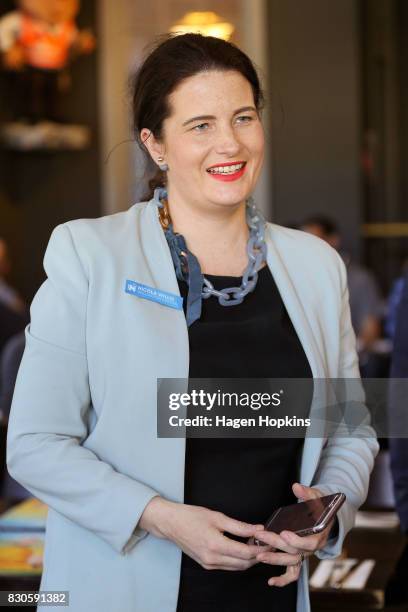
(199, 532)
(310, 543)
(239, 528)
(279, 558)
(225, 553)
(276, 541)
(291, 575)
(287, 554)
(225, 562)
(304, 493)
(230, 548)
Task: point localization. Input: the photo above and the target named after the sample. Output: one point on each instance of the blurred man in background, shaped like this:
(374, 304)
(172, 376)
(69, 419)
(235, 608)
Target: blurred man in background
(365, 302)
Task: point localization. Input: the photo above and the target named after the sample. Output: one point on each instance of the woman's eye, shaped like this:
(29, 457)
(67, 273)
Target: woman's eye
(204, 127)
(201, 127)
(244, 119)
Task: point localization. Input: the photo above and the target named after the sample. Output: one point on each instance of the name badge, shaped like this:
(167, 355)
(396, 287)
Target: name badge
(154, 295)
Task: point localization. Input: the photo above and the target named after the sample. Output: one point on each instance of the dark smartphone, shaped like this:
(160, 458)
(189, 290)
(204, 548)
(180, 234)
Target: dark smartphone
(304, 518)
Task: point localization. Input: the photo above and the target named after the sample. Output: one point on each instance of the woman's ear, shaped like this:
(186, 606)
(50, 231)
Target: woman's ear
(155, 147)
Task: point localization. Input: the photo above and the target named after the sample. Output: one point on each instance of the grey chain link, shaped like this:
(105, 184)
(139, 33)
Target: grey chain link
(256, 250)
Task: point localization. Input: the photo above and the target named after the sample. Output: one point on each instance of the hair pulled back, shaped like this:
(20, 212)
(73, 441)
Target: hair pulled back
(173, 59)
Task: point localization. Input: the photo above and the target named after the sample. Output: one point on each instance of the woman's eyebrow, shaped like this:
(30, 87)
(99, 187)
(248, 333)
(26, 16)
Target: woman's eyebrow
(205, 117)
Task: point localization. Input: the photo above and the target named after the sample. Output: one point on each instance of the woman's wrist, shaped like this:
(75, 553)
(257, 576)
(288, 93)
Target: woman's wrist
(155, 517)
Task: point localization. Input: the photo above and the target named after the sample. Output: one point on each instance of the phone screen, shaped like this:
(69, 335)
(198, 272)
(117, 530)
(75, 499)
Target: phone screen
(303, 515)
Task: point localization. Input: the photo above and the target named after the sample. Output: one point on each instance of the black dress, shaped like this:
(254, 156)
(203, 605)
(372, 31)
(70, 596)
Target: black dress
(245, 478)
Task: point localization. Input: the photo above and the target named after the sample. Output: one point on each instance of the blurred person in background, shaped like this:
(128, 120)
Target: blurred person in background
(10, 359)
(397, 591)
(11, 323)
(365, 302)
(8, 295)
(394, 300)
(13, 319)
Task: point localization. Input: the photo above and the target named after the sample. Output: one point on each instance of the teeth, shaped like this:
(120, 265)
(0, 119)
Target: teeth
(225, 169)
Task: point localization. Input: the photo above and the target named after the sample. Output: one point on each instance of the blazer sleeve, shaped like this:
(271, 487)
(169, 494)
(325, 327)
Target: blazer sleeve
(51, 402)
(346, 461)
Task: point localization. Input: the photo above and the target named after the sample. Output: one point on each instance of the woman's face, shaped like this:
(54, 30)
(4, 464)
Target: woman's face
(213, 141)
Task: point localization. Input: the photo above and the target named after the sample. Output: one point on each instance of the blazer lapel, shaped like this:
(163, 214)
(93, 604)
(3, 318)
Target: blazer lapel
(157, 253)
(161, 274)
(170, 342)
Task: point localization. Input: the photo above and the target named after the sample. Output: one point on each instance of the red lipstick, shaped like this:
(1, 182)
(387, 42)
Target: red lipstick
(227, 177)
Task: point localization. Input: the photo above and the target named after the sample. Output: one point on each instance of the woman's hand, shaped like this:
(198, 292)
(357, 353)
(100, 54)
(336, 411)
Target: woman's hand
(291, 548)
(198, 531)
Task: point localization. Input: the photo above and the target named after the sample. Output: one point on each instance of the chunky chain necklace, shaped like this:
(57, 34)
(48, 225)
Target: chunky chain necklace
(188, 269)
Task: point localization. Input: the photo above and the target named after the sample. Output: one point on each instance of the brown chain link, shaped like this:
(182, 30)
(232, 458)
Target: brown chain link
(164, 214)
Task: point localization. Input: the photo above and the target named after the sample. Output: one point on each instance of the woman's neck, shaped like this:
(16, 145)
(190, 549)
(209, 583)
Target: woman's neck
(217, 237)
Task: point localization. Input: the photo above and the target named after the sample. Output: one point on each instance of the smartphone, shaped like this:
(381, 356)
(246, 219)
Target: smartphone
(304, 518)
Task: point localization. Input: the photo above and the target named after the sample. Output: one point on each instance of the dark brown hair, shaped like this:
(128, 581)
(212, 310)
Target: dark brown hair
(173, 59)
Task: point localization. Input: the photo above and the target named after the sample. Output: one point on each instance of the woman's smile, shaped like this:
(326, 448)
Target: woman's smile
(227, 171)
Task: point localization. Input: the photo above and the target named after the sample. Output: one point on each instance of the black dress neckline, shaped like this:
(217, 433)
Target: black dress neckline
(228, 277)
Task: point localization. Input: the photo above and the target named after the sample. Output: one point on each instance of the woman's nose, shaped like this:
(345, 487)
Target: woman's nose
(227, 142)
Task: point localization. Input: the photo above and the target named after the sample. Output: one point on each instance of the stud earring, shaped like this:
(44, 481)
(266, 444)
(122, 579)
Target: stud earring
(163, 167)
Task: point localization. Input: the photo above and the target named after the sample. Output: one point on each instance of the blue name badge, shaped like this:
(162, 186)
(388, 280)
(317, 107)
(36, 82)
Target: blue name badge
(155, 295)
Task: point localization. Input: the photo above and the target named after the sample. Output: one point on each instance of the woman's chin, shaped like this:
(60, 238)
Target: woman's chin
(229, 195)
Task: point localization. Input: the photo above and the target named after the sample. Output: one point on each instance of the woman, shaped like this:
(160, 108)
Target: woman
(128, 519)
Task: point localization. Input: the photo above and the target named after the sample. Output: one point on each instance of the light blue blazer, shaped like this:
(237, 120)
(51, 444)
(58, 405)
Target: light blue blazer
(82, 431)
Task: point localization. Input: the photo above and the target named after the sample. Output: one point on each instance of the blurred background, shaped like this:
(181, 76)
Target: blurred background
(336, 122)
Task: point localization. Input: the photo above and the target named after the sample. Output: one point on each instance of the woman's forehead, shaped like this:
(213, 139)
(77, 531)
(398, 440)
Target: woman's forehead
(211, 92)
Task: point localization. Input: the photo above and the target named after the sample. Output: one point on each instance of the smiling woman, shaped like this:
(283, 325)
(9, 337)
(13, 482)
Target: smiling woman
(222, 143)
(211, 138)
(192, 283)
(213, 160)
